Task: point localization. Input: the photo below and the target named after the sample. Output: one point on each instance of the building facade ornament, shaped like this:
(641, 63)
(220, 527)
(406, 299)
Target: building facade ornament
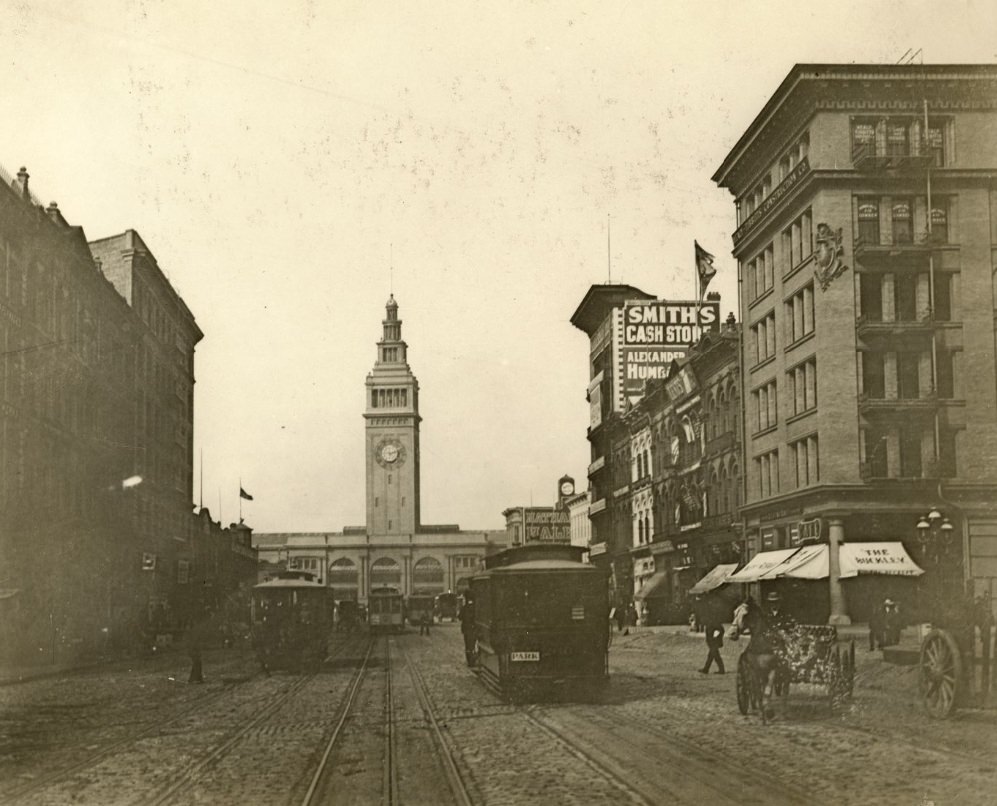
(827, 257)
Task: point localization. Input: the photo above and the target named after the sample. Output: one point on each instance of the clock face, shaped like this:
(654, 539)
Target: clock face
(389, 453)
(567, 488)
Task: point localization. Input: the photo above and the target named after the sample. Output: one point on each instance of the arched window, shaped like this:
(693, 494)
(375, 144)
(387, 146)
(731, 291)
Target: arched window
(427, 576)
(343, 579)
(385, 572)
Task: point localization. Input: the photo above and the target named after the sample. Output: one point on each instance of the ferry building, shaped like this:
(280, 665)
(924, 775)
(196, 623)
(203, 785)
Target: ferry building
(394, 548)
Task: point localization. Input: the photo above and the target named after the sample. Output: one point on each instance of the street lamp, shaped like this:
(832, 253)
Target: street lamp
(935, 534)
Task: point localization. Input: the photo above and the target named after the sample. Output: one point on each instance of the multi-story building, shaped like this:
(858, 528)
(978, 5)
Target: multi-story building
(95, 472)
(665, 473)
(866, 212)
(394, 548)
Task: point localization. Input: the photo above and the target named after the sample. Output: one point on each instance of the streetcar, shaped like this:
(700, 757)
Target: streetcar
(542, 623)
(386, 610)
(446, 606)
(417, 607)
(291, 616)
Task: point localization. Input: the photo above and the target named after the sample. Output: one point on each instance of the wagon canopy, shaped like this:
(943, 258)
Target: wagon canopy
(714, 578)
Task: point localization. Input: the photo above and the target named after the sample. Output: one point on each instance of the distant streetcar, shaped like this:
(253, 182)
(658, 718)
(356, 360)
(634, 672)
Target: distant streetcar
(417, 607)
(542, 622)
(291, 619)
(445, 606)
(386, 611)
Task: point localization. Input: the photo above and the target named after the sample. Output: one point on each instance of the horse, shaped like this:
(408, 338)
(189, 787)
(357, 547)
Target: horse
(761, 664)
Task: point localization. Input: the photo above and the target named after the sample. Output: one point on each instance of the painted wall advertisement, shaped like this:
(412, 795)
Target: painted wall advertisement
(545, 525)
(658, 332)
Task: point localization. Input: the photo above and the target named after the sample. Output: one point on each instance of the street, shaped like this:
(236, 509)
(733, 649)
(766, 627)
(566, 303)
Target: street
(401, 719)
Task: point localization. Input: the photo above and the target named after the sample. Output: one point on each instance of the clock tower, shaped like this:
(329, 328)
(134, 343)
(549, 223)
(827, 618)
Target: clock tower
(392, 440)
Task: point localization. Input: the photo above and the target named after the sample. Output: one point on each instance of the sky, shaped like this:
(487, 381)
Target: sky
(291, 164)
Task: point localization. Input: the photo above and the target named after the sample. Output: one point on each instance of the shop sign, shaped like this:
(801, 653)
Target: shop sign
(810, 531)
(768, 539)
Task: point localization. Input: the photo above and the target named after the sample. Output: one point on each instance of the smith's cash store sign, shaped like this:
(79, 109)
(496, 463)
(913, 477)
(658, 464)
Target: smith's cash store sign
(656, 333)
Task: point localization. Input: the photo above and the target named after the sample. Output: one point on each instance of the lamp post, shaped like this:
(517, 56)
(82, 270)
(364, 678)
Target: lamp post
(935, 534)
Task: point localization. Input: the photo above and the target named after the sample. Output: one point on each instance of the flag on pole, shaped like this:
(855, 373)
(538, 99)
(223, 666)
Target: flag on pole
(704, 266)
(244, 494)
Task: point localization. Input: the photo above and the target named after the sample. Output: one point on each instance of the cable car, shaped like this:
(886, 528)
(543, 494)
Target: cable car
(386, 610)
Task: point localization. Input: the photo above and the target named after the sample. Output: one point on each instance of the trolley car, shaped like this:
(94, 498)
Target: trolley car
(291, 619)
(417, 608)
(386, 611)
(542, 623)
(446, 606)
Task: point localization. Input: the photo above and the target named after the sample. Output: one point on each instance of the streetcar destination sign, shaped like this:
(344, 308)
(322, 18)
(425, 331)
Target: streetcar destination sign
(519, 656)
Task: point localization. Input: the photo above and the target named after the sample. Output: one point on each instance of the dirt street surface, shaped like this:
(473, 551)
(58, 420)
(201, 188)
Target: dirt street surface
(402, 720)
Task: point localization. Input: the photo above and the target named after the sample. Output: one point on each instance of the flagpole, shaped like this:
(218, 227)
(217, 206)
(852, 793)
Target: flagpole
(699, 290)
(200, 504)
(240, 499)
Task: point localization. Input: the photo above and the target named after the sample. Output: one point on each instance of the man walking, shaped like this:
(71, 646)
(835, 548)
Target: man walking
(425, 621)
(714, 639)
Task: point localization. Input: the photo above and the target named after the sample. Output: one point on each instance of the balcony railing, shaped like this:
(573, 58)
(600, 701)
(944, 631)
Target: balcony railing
(926, 402)
(866, 326)
(866, 157)
(719, 443)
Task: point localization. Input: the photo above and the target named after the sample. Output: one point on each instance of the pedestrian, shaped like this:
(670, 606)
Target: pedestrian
(891, 623)
(620, 618)
(467, 629)
(196, 635)
(714, 630)
(425, 621)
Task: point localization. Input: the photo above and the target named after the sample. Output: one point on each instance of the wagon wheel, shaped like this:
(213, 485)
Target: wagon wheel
(940, 673)
(745, 680)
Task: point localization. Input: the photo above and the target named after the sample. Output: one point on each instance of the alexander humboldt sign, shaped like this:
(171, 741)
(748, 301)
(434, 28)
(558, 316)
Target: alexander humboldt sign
(656, 333)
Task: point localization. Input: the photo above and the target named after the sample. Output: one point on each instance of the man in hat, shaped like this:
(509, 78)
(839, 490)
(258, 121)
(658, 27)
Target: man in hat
(766, 636)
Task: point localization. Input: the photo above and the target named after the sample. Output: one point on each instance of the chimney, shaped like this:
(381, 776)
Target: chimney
(54, 214)
(22, 183)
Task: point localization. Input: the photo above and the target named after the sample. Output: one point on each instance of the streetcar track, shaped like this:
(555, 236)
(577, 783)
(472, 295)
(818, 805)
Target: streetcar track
(59, 775)
(710, 765)
(345, 707)
(610, 770)
(458, 785)
(390, 756)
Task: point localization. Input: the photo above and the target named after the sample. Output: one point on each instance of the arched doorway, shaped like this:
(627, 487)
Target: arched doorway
(385, 572)
(344, 579)
(428, 577)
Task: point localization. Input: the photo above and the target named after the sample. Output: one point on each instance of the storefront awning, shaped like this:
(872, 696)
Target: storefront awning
(714, 578)
(877, 558)
(809, 562)
(759, 566)
(653, 586)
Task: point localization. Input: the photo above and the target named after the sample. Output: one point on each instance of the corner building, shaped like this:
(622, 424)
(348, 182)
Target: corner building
(394, 548)
(866, 220)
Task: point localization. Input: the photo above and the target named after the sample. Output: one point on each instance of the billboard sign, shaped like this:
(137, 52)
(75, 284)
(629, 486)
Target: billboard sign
(546, 525)
(657, 332)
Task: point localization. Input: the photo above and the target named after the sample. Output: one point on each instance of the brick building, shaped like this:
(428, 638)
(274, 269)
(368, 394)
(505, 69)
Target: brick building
(866, 212)
(95, 432)
(665, 472)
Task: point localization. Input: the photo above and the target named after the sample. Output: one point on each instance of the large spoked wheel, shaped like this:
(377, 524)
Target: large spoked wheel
(745, 682)
(940, 673)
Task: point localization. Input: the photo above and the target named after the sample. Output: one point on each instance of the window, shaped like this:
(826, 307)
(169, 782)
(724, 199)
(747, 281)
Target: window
(868, 219)
(766, 409)
(871, 289)
(903, 226)
(767, 467)
(803, 386)
(863, 138)
(945, 382)
(908, 375)
(936, 144)
(876, 453)
(761, 272)
(905, 297)
(763, 336)
(874, 375)
(947, 453)
(910, 451)
(942, 311)
(940, 220)
(897, 139)
(798, 240)
(800, 315)
(807, 463)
